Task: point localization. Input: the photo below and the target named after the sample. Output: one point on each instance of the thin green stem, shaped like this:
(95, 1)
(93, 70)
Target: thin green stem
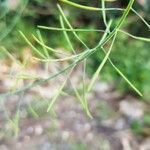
(88, 7)
(70, 30)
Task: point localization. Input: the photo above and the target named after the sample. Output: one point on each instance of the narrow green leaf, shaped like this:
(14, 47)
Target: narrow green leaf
(41, 40)
(123, 76)
(56, 96)
(143, 20)
(11, 56)
(34, 48)
(135, 37)
(59, 91)
(31, 109)
(95, 76)
(66, 35)
(69, 25)
(69, 30)
(47, 47)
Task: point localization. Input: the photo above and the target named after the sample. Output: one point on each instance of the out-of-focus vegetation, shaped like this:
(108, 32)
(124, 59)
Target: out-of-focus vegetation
(132, 57)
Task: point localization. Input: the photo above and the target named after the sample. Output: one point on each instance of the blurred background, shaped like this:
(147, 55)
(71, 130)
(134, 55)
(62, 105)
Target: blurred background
(121, 119)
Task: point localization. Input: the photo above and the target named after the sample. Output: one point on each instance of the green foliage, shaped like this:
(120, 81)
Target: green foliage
(147, 119)
(78, 146)
(136, 127)
(132, 57)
